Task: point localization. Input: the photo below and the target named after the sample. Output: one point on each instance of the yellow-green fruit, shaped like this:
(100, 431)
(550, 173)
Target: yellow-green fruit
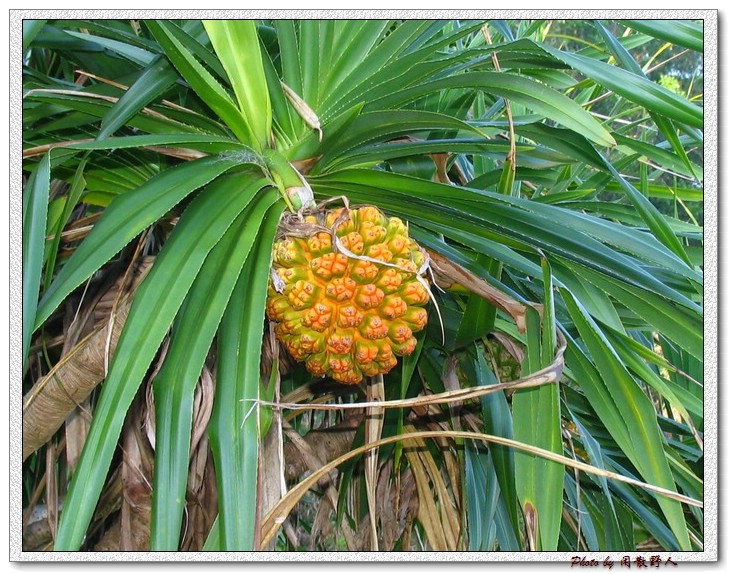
(341, 311)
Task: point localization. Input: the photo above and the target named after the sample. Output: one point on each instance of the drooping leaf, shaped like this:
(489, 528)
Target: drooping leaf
(683, 33)
(644, 448)
(234, 427)
(30, 31)
(124, 220)
(633, 87)
(174, 387)
(153, 82)
(153, 310)
(533, 95)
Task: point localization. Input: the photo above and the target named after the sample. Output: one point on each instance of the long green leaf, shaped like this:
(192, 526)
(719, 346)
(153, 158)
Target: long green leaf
(125, 49)
(385, 52)
(615, 536)
(661, 157)
(652, 521)
(281, 110)
(356, 40)
(310, 46)
(479, 314)
(566, 141)
(633, 87)
(289, 54)
(642, 370)
(637, 243)
(665, 126)
(452, 210)
(532, 94)
(154, 307)
(234, 425)
(403, 59)
(481, 491)
(193, 36)
(153, 82)
(204, 142)
(71, 200)
(35, 211)
(99, 108)
(309, 145)
(174, 387)
(205, 85)
(107, 29)
(581, 148)
(594, 299)
(384, 125)
(498, 420)
(124, 219)
(376, 152)
(237, 45)
(30, 31)
(645, 449)
(596, 394)
(539, 483)
(652, 190)
(626, 215)
(682, 33)
(679, 324)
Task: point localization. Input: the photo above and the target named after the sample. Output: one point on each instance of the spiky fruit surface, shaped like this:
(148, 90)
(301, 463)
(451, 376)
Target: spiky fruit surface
(348, 313)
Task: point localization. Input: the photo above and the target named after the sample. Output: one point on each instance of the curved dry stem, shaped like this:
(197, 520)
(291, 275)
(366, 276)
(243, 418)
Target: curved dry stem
(176, 152)
(512, 155)
(548, 375)
(279, 513)
(94, 96)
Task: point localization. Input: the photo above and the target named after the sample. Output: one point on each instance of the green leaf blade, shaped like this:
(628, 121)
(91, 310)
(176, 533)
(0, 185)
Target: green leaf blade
(645, 447)
(538, 482)
(30, 31)
(174, 387)
(203, 83)
(153, 82)
(236, 43)
(532, 94)
(35, 212)
(124, 220)
(155, 305)
(687, 34)
(234, 428)
(633, 87)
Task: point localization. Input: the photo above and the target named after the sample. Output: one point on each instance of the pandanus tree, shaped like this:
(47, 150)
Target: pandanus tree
(367, 284)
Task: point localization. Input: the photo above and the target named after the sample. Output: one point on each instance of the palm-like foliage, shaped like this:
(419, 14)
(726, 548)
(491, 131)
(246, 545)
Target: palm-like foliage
(530, 171)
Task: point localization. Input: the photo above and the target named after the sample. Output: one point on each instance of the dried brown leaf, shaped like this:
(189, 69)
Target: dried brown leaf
(277, 516)
(373, 430)
(448, 273)
(314, 459)
(51, 399)
(137, 467)
(428, 516)
(52, 494)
